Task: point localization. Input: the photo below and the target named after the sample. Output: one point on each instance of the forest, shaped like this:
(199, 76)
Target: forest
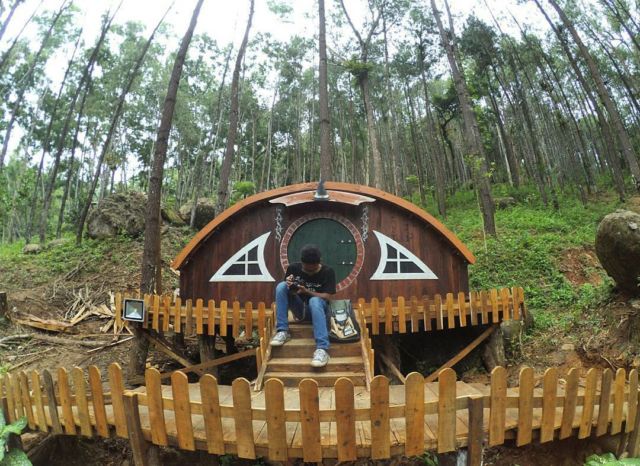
(409, 97)
(514, 123)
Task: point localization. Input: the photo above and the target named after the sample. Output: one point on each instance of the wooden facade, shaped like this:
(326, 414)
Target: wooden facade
(363, 214)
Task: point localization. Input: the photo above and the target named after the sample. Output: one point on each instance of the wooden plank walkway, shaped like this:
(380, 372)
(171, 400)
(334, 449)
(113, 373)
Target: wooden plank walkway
(306, 422)
(363, 438)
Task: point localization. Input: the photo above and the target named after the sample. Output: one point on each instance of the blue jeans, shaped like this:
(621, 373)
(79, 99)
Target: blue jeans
(317, 307)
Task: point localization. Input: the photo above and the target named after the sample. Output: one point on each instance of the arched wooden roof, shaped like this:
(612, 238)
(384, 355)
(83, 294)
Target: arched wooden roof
(354, 188)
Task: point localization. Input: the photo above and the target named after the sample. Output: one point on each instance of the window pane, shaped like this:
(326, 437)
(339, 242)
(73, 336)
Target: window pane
(391, 252)
(402, 256)
(235, 269)
(409, 267)
(391, 267)
(253, 254)
(254, 269)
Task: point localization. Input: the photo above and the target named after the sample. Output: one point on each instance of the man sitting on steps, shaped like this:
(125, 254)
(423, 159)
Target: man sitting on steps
(306, 289)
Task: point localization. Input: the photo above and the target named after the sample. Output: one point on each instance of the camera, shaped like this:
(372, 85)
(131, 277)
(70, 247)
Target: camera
(294, 286)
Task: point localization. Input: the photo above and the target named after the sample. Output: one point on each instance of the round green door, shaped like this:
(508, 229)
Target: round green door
(336, 243)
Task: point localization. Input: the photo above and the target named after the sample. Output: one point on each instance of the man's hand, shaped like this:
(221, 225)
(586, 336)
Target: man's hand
(289, 280)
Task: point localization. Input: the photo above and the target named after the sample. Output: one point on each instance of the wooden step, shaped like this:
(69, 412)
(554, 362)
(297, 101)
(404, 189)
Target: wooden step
(336, 364)
(301, 330)
(324, 379)
(304, 348)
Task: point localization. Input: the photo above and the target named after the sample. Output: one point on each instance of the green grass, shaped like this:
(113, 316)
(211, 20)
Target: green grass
(529, 248)
(54, 262)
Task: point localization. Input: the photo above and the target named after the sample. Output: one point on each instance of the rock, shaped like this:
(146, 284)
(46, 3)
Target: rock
(504, 202)
(172, 216)
(618, 248)
(120, 213)
(511, 330)
(56, 243)
(205, 212)
(31, 249)
(493, 354)
(568, 347)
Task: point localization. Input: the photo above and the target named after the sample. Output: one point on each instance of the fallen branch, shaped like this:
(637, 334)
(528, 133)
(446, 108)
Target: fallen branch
(15, 337)
(109, 345)
(59, 340)
(43, 324)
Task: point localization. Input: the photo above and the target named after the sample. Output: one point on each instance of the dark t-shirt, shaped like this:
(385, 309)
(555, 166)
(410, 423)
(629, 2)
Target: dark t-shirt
(323, 281)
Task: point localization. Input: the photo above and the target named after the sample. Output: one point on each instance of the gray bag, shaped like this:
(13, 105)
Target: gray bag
(341, 322)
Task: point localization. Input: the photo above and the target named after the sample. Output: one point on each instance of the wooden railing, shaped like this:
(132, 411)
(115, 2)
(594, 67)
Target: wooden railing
(402, 315)
(307, 422)
(166, 313)
(443, 312)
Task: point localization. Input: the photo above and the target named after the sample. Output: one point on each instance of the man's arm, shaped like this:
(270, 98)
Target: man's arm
(313, 294)
(329, 285)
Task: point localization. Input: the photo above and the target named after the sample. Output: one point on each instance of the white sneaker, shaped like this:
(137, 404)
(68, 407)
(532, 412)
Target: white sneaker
(280, 338)
(320, 358)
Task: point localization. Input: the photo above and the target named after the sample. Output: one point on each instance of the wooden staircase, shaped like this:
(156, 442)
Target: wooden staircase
(291, 362)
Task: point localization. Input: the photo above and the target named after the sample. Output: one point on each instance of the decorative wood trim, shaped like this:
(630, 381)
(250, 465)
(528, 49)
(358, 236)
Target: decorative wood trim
(192, 246)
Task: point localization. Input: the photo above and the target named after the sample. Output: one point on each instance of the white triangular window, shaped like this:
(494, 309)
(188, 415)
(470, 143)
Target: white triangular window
(398, 263)
(246, 265)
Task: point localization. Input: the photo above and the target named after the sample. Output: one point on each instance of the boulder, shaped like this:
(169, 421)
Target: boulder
(56, 243)
(31, 249)
(511, 331)
(504, 202)
(120, 213)
(618, 248)
(205, 212)
(172, 216)
(493, 354)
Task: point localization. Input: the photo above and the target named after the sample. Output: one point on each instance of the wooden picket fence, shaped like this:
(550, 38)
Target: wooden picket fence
(313, 423)
(428, 313)
(444, 312)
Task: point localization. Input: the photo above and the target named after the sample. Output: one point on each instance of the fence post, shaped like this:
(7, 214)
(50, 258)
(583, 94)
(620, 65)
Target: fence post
(144, 454)
(475, 443)
(634, 441)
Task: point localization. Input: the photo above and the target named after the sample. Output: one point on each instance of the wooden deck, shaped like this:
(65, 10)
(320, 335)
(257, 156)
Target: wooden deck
(344, 422)
(328, 430)
(363, 438)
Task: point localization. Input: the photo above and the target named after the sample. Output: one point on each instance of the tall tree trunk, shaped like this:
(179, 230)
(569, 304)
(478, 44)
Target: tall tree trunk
(512, 161)
(363, 81)
(46, 143)
(609, 146)
(472, 138)
(74, 145)
(115, 118)
(7, 53)
(25, 81)
(227, 162)
(6, 22)
(605, 96)
(151, 252)
(219, 121)
(378, 173)
(325, 123)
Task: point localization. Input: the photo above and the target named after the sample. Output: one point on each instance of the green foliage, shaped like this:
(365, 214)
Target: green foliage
(357, 68)
(528, 252)
(53, 262)
(609, 459)
(242, 190)
(13, 457)
(428, 458)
